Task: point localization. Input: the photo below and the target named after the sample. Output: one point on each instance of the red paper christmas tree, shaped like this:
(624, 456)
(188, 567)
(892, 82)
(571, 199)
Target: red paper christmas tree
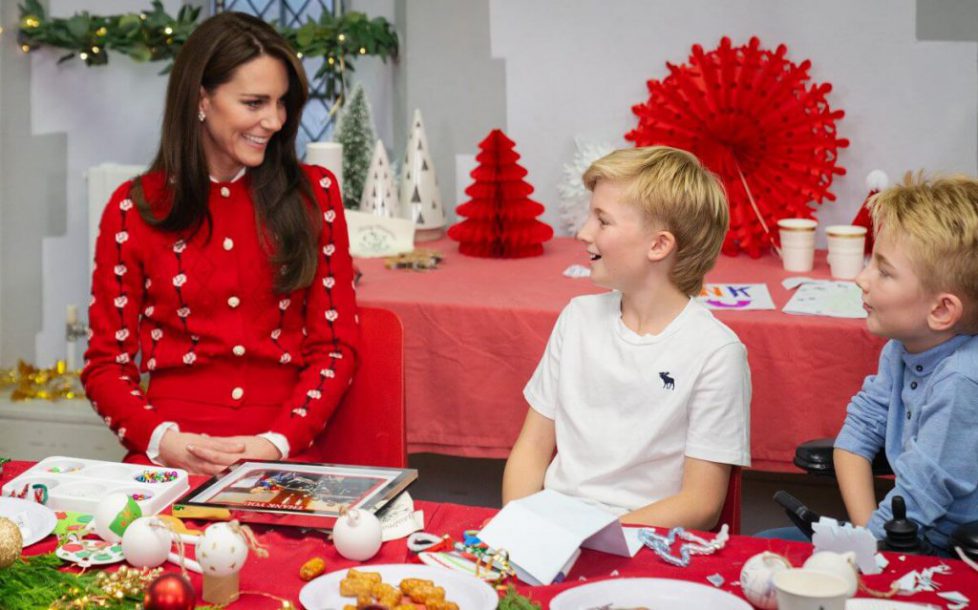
(501, 219)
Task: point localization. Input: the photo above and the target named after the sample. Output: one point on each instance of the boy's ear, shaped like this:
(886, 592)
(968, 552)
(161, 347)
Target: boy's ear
(945, 312)
(662, 245)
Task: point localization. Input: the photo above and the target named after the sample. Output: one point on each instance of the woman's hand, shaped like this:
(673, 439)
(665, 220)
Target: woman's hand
(257, 447)
(199, 453)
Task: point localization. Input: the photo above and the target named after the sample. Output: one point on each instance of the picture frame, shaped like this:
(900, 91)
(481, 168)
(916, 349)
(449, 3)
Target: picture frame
(293, 493)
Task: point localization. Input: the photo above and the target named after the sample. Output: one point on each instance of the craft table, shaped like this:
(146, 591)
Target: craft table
(289, 549)
(475, 329)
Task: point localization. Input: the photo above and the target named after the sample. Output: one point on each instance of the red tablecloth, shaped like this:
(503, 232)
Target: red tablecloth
(475, 329)
(289, 549)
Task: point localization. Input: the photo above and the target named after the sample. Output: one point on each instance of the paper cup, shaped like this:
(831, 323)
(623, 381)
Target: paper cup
(797, 243)
(846, 250)
(801, 589)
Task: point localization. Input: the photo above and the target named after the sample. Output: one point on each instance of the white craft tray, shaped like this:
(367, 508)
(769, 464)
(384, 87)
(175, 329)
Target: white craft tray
(76, 484)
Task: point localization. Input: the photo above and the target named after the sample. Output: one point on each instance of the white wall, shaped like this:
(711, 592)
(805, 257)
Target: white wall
(576, 68)
(108, 114)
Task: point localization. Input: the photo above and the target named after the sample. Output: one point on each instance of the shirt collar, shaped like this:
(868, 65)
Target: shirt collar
(923, 363)
(237, 177)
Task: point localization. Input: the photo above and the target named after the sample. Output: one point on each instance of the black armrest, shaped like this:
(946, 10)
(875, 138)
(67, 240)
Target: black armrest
(815, 457)
(966, 537)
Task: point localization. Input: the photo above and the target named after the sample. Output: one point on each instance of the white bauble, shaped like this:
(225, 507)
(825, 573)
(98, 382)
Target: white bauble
(146, 542)
(221, 550)
(842, 565)
(357, 535)
(108, 512)
(757, 579)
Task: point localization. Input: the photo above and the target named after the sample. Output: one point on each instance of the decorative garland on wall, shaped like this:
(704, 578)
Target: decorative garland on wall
(155, 35)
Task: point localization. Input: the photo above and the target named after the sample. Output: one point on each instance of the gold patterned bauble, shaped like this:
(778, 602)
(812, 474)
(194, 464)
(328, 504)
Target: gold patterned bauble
(11, 542)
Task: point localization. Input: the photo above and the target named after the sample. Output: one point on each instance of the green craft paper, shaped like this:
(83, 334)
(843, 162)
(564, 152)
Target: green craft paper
(129, 513)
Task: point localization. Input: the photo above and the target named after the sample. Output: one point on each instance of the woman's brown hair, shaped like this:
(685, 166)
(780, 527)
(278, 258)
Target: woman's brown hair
(280, 189)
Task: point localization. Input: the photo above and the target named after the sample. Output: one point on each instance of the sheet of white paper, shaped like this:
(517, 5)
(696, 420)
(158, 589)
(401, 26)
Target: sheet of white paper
(400, 520)
(737, 297)
(830, 535)
(832, 299)
(373, 236)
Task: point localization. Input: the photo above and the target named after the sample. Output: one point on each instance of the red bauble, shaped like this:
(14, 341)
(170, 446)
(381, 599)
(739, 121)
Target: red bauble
(753, 117)
(170, 592)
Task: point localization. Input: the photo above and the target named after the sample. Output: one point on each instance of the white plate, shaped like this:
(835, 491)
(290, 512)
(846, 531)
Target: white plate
(885, 604)
(39, 519)
(658, 593)
(468, 592)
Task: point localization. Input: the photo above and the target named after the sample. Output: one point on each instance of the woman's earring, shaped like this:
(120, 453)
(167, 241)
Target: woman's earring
(201, 116)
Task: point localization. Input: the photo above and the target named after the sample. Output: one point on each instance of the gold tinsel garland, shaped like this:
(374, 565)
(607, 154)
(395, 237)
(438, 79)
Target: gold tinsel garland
(30, 382)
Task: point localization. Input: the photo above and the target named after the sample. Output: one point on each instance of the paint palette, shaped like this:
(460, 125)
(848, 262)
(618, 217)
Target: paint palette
(76, 484)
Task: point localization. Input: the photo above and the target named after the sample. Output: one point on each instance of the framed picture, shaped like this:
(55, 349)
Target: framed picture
(296, 494)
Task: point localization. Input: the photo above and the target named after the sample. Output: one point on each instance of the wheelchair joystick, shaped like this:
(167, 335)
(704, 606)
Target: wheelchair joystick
(902, 533)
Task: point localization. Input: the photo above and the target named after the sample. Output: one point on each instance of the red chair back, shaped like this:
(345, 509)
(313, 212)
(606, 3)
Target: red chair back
(368, 427)
(730, 514)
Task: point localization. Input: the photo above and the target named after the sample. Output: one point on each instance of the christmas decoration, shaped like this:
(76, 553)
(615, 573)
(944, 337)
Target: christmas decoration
(154, 35)
(842, 565)
(501, 219)
(355, 132)
(757, 579)
(574, 196)
(420, 196)
(146, 543)
(420, 259)
(11, 542)
(170, 592)
(752, 117)
(221, 552)
(876, 181)
(29, 382)
(114, 513)
(36, 582)
(357, 535)
(379, 196)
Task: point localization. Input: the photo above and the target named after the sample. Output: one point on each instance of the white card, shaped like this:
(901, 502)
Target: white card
(737, 297)
(374, 236)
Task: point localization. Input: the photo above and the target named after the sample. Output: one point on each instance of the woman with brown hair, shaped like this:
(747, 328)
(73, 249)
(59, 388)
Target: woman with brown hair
(226, 266)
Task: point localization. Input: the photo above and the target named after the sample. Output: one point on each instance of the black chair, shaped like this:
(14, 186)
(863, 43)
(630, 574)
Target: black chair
(815, 457)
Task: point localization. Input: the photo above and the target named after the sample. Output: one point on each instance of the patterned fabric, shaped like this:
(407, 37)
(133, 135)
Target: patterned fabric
(210, 328)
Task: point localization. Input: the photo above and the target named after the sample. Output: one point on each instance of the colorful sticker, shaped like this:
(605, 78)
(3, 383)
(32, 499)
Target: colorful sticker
(129, 513)
(90, 552)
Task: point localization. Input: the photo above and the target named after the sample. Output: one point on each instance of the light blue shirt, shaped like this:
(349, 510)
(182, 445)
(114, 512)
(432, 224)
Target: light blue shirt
(923, 409)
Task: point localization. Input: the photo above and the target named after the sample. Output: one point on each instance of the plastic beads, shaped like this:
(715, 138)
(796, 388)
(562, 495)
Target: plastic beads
(662, 545)
(157, 476)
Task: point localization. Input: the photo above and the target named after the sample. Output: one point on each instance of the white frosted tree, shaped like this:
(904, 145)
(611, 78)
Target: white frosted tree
(420, 196)
(355, 131)
(379, 196)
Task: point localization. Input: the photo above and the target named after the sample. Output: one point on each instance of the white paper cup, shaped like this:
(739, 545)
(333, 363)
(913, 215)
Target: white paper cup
(846, 250)
(801, 589)
(797, 243)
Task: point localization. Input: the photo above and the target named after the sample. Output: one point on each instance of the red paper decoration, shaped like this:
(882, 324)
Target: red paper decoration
(753, 118)
(876, 181)
(501, 219)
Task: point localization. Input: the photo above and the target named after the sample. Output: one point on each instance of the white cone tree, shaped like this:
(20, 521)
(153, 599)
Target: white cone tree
(420, 197)
(379, 196)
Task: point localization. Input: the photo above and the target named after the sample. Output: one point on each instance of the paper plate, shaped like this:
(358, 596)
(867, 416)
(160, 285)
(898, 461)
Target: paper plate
(35, 520)
(468, 592)
(90, 552)
(658, 593)
(885, 604)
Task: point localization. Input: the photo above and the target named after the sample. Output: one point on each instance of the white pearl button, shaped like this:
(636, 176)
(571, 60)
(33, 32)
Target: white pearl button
(225, 191)
(239, 350)
(228, 243)
(234, 302)
(237, 393)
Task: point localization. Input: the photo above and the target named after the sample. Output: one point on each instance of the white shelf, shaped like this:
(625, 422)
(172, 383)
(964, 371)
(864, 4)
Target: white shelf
(36, 429)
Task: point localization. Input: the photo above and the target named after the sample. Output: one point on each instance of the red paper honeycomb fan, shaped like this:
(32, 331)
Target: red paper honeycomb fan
(754, 119)
(500, 218)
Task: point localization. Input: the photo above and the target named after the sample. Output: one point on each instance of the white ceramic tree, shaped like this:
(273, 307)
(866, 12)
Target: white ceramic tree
(420, 197)
(379, 196)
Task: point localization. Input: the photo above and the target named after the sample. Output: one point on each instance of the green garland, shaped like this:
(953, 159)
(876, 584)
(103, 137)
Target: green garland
(155, 35)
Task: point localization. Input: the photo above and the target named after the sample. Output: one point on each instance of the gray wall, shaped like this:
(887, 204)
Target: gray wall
(906, 73)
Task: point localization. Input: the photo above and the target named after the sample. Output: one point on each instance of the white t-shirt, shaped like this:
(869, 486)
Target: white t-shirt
(628, 408)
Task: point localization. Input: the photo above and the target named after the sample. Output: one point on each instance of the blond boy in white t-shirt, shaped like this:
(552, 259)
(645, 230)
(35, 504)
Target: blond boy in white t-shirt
(642, 393)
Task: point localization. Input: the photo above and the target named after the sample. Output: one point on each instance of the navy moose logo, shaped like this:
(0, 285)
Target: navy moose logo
(667, 382)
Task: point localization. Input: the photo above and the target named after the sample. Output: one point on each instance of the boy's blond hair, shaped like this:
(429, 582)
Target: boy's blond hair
(938, 218)
(676, 192)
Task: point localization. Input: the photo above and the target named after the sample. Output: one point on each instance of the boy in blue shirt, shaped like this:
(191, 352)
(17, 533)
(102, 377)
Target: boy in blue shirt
(642, 393)
(921, 291)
